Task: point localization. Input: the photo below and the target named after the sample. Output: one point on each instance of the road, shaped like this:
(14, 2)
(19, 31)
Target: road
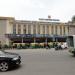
(43, 62)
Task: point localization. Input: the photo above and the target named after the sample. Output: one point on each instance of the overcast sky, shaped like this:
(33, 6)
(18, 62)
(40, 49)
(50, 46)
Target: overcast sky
(34, 9)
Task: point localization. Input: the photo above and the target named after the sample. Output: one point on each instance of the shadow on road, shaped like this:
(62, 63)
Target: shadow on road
(15, 68)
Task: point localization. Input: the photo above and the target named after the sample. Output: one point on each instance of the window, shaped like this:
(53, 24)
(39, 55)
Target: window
(24, 29)
(64, 29)
(43, 29)
(14, 29)
(68, 29)
(34, 29)
(52, 30)
(60, 30)
(38, 29)
(55, 30)
(29, 29)
(19, 29)
(47, 29)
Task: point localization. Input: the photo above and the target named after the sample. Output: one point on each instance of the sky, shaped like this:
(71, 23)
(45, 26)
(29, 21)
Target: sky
(34, 9)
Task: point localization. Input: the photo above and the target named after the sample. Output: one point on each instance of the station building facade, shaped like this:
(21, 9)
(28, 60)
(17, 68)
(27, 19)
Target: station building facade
(41, 31)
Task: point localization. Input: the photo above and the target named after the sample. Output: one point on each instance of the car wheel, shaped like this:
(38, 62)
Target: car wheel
(4, 66)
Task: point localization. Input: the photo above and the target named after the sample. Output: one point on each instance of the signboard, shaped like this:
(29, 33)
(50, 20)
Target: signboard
(48, 19)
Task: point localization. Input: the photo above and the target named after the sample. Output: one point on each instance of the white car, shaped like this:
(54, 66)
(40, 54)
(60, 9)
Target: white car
(64, 45)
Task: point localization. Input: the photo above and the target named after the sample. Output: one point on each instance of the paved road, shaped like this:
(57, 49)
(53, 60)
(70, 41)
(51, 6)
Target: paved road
(44, 62)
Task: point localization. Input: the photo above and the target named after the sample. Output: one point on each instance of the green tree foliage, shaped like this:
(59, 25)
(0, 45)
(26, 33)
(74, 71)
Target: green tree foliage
(73, 18)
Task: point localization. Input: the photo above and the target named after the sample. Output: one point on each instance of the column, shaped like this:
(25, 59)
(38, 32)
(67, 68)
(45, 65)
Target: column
(54, 30)
(41, 29)
(21, 29)
(45, 29)
(62, 28)
(26, 28)
(49, 29)
(66, 30)
(16, 28)
(58, 30)
(31, 29)
(37, 29)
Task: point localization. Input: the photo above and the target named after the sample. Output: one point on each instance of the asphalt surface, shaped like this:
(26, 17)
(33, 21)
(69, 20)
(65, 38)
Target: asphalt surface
(43, 62)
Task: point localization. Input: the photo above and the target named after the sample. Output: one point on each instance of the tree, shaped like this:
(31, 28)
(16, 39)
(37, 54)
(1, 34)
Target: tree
(73, 18)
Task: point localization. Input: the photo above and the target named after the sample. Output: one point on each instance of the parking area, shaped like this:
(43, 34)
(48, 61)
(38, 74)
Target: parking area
(43, 62)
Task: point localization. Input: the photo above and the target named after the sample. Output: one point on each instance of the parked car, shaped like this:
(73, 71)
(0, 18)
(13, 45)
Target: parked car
(64, 46)
(58, 48)
(61, 46)
(8, 59)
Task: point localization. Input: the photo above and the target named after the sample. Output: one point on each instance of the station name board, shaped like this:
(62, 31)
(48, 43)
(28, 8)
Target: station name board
(49, 19)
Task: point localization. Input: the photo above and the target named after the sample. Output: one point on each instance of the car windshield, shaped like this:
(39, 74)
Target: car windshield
(2, 52)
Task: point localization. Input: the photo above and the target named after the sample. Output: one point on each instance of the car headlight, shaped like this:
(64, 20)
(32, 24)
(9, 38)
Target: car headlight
(15, 58)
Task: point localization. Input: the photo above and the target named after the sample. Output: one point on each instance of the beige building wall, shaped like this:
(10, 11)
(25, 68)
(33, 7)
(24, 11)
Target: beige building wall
(49, 29)
(9, 27)
(72, 30)
(3, 26)
(6, 27)
(9, 30)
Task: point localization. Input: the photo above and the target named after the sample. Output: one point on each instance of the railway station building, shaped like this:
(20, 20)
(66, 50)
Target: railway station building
(48, 30)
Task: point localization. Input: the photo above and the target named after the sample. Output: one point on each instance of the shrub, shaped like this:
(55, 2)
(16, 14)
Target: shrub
(15, 46)
(5, 46)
